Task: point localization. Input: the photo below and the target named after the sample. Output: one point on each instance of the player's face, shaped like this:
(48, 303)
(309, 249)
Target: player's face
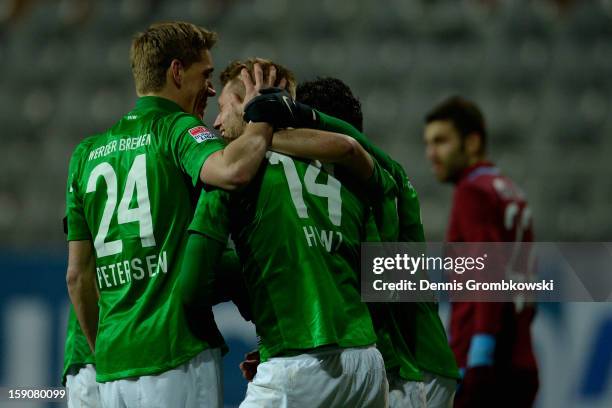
(229, 120)
(196, 85)
(445, 150)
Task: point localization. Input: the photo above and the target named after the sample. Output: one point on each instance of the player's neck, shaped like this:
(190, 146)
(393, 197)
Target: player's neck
(472, 163)
(168, 94)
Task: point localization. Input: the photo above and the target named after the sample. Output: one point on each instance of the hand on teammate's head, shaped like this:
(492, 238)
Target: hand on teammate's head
(256, 73)
(260, 80)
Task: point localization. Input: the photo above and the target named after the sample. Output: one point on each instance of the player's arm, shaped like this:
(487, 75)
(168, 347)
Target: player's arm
(202, 256)
(228, 270)
(474, 217)
(411, 227)
(305, 116)
(284, 112)
(226, 263)
(298, 115)
(81, 271)
(211, 274)
(332, 124)
(229, 284)
(196, 284)
(208, 237)
(326, 147)
(81, 282)
(235, 166)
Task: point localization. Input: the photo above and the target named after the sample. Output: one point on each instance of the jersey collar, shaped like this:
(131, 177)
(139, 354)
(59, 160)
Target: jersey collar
(157, 102)
(478, 169)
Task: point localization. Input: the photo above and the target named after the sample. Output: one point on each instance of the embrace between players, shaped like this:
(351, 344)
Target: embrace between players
(294, 189)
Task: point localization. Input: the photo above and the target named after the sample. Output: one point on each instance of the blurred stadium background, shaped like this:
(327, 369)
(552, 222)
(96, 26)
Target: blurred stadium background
(541, 70)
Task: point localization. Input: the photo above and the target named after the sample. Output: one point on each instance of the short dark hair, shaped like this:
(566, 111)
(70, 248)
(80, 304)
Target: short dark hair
(465, 115)
(333, 97)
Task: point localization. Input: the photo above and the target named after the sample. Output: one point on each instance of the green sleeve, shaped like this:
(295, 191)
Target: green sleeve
(212, 273)
(230, 284)
(211, 216)
(227, 272)
(409, 211)
(190, 144)
(371, 229)
(75, 216)
(202, 257)
(196, 284)
(381, 183)
(209, 234)
(384, 210)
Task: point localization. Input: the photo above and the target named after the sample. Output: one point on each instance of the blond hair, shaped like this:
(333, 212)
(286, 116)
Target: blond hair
(232, 73)
(153, 50)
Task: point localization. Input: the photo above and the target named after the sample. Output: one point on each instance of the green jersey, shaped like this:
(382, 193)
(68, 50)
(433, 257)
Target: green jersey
(131, 191)
(297, 231)
(76, 349)
(410, 335)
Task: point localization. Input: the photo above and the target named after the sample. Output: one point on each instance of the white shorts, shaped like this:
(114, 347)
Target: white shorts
(197, 383)
(433, 392)
(82, 389)
(334, 377)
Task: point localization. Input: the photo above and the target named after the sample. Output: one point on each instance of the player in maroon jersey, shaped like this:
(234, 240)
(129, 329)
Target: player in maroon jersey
(491, 341)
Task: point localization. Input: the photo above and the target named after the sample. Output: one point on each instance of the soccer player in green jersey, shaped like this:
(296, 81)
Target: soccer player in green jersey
(130, 197)
(297, 229)
(420, 366)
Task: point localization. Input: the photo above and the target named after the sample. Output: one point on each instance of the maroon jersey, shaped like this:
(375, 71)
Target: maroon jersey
(489, 207)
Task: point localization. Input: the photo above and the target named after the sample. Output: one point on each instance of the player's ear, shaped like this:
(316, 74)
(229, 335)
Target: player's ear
(175, 72)
(473, 144)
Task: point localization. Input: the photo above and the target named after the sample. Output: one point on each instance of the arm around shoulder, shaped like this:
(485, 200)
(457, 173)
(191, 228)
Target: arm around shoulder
(236, 165)
(327, 147)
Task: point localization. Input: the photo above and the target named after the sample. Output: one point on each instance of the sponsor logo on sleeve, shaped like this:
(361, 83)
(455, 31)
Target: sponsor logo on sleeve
(201, 134)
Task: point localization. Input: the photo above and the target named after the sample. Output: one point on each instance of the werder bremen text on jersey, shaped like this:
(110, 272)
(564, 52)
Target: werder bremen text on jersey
(122, 145)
